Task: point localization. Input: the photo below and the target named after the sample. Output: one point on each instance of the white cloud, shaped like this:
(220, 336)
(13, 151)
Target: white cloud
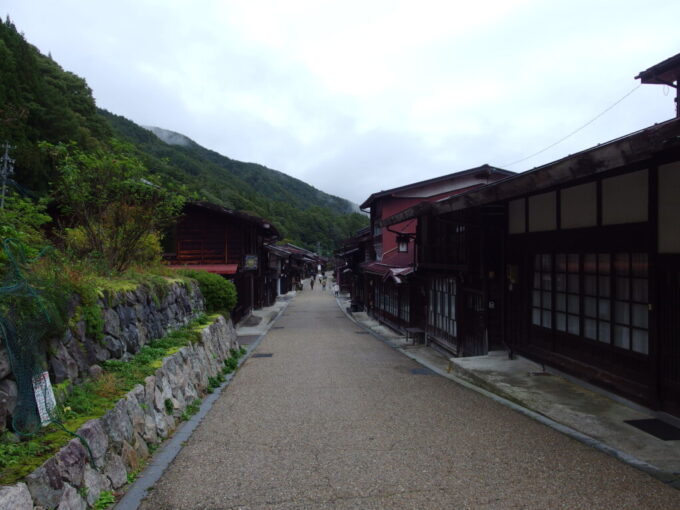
(355, 96)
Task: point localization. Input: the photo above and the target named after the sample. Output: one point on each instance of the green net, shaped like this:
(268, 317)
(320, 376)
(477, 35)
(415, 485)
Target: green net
(26, 316)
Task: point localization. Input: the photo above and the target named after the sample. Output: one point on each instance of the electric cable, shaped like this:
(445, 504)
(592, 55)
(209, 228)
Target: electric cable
(575, 131)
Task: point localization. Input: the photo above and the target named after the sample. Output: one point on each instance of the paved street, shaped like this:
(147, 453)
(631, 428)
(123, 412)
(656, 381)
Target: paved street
(337, 419)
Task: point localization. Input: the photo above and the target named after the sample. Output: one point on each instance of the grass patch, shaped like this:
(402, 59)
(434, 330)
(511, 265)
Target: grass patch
(91, 400)
(230, 364)
(105, 500)
(191, 409)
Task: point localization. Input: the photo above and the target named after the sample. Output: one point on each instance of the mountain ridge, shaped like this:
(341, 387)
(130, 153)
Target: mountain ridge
(40, 101)
(175, 138)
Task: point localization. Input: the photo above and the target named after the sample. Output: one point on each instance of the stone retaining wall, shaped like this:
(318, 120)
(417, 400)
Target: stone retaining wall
(121, 438)
(131, 320)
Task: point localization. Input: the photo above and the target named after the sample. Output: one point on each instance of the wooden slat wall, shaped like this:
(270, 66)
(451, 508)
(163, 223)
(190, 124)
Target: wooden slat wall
(669, 333)
(201, 239)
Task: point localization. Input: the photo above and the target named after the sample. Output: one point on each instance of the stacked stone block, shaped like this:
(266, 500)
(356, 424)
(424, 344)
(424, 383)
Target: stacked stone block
(131, 320)
(120, 439)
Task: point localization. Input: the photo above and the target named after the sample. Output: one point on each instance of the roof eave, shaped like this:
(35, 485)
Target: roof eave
(637, 147)
(632, 148)
(482, 168)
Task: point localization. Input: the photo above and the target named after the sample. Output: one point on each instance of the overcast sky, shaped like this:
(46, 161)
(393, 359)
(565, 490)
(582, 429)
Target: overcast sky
(355, 97)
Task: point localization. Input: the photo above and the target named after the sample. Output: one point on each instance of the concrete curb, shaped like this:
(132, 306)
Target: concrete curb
(663, 476)
(160, 461)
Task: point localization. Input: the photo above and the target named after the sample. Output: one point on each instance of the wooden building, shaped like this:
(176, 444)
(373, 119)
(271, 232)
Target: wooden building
(279, 262)
(228, 243)
(292, 264)
(575, 264)
(348, 259)
(392, 292)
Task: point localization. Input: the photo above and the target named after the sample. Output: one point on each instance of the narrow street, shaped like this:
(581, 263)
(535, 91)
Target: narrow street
(334, 418)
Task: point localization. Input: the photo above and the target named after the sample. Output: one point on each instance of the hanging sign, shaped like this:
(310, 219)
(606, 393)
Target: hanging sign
(44, 397)
(250, 262)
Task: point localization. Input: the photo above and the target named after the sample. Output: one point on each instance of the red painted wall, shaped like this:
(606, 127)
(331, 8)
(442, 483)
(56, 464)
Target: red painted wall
(393, 205)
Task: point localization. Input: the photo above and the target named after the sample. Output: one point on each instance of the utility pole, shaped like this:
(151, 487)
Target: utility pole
(6, 169)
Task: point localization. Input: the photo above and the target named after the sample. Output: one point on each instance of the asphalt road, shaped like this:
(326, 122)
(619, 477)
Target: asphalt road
(337, 419)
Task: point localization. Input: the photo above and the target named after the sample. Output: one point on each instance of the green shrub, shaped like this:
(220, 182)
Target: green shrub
(231, 364)
(238, 353)
(94, 321)
(194, 406)
(105, 500)
(218, 292)
(213, 382)
(115, 208)
(147, 250)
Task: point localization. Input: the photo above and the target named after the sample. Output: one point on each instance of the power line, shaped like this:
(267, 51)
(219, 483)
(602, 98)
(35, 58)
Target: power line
(575, 131)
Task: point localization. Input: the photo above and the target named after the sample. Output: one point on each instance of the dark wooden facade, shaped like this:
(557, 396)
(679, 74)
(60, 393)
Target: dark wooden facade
(226, 242)
(291, 264)
(392, 293)
(348, 259)
(459, 262)
(601, 301)
(575, 264)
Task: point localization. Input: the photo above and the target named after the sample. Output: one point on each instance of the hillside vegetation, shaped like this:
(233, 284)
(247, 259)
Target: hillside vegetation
(39, 101)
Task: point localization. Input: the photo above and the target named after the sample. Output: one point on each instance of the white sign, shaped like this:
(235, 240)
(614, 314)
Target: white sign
(44, 397)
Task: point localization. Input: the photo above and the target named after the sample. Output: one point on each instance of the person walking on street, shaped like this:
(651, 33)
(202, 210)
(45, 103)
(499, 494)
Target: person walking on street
(311, 283)
(323, 283)
(336, 289)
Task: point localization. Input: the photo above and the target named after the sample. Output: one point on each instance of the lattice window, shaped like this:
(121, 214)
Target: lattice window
(567, 296)
(442, 305)
(631, 305)
(597, 296)
(541, 295)
(600, 296)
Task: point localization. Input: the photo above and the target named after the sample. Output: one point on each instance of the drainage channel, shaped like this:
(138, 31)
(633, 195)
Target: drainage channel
(657, 428)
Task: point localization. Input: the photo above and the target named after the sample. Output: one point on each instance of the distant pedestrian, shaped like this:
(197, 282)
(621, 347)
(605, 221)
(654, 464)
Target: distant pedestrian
(311, 282)
(323, 283)
(336, 289)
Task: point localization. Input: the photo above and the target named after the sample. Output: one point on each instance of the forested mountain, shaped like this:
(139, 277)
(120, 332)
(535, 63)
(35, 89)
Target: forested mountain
(39, 101)
(268, 182)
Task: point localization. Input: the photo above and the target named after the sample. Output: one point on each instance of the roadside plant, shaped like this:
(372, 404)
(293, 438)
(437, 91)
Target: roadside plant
(213, 382)
(230, 364)
(113, 208)
(218, 292)
(105, 500)
(194, 406)
(169, 407)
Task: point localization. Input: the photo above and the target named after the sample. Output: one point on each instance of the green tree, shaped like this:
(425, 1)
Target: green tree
(22, 219)
(113, 206)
